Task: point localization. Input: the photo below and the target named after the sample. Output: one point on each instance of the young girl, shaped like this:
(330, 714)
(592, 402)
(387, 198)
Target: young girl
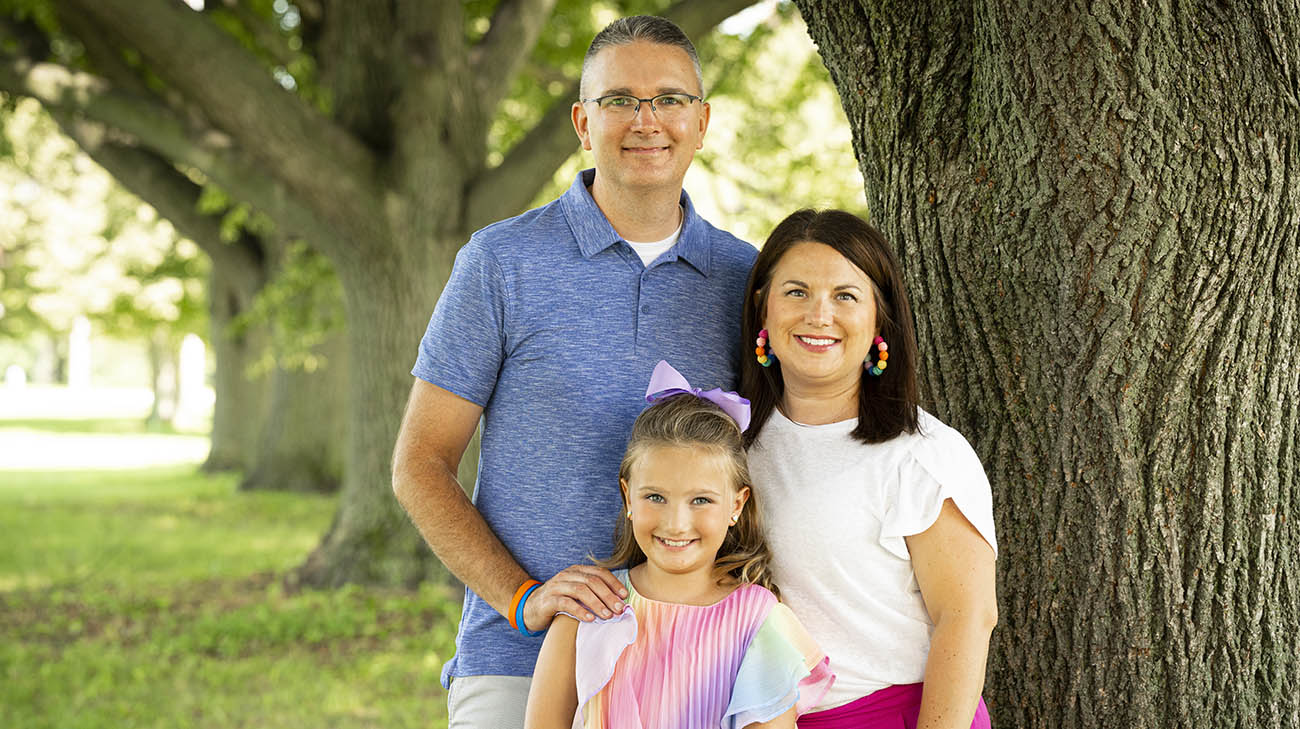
(703, 641)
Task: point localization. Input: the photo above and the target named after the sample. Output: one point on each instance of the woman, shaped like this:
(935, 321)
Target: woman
(880, 516)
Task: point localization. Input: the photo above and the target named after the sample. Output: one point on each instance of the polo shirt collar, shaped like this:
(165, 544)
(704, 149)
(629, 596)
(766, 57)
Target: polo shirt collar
(594, 233)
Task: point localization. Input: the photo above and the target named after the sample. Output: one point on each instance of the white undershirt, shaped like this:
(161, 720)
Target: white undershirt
(648, 252)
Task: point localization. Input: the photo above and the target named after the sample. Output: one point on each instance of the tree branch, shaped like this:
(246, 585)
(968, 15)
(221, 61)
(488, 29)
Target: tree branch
(496, 59)
(506, 189)
(328, 169)
(132, 120)
(104, 56)
(265, 35)
(439, 124)
(357, 50)
(154, 180)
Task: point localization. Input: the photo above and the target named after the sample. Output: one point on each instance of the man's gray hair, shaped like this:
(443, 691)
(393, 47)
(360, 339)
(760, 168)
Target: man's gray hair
(648, 28)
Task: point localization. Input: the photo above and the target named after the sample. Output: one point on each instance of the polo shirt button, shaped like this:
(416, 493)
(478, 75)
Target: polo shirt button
(645, 309)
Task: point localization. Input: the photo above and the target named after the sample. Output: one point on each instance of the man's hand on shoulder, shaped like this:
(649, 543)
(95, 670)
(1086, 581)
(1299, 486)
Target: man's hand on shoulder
(584, 591)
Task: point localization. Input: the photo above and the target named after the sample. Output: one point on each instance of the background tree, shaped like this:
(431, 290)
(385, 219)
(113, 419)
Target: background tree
(301, 441)
(1097, 207)
(270, 321)
(76, 244)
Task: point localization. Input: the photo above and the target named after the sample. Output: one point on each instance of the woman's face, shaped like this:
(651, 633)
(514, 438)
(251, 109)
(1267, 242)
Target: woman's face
(820, 319)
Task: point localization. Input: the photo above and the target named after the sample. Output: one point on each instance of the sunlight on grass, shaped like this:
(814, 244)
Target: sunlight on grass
(24, 449)
(153, 598)
(50, 427)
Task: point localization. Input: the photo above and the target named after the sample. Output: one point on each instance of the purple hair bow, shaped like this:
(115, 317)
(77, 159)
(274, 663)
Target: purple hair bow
(666, 381)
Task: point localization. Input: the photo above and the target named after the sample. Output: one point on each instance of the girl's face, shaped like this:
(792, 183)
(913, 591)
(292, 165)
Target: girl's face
(682, 500)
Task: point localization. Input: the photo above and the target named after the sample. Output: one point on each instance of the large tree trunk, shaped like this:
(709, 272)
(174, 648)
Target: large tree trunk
(1097, 211)
(371, 539)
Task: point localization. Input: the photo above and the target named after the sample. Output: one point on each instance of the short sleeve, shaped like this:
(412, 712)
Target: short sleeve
(464, 345)
(940, 465)
(597, 649)
(782, 667)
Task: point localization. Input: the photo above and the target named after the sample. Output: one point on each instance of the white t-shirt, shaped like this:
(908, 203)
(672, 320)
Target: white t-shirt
(837, 511)
(648, 252)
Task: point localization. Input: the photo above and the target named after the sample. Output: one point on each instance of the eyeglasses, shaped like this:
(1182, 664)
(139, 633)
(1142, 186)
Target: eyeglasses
(622, 106)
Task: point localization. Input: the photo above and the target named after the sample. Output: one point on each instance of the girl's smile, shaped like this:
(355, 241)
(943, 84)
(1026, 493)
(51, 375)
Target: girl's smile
(681, 500)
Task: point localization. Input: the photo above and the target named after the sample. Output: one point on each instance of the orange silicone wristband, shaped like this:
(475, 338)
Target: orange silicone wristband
(514, 602)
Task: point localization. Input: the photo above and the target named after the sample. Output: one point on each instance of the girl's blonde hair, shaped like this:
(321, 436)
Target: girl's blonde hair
(687, 420)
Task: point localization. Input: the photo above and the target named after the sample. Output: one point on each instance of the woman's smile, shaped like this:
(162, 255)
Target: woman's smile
(821, 319)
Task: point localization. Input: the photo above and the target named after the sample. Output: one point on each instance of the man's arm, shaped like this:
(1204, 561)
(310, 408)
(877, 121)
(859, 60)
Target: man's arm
(435, 430)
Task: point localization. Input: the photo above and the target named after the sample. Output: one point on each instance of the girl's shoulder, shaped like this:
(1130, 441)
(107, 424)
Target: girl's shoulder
(755, 591)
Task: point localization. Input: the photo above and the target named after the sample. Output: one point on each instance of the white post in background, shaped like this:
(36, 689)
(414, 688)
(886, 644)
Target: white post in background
(190, 390)
(15, 377)
(79, 354)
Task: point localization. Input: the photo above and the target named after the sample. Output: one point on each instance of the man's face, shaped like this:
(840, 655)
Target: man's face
(649, 149)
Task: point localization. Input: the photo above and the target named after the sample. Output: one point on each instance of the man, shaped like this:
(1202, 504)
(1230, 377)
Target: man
(549, 328)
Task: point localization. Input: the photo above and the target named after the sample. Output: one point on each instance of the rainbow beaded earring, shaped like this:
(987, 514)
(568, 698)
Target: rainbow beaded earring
(882, 357)
(763, 351)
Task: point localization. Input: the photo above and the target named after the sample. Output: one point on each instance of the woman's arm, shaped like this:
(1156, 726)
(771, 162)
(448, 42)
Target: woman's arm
(553, 697)
(954, 569)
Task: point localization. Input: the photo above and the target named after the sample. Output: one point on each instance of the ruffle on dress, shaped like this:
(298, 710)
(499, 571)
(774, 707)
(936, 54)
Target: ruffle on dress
(685, 668)
(940, 465)
(783, 667)
(599, 644)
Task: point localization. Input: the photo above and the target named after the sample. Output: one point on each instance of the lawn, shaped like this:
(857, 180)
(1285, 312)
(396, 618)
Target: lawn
(154, 598)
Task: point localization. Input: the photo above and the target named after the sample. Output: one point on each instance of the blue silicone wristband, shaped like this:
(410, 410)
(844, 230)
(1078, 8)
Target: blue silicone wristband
(519, 615)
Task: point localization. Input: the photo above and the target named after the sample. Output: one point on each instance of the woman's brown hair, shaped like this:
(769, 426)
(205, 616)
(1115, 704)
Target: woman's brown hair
(886, 403)
(687, 420)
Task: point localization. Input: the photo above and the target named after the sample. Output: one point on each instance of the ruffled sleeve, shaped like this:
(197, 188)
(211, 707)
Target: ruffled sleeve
(782, 667)
(597, 648)
(939, 465)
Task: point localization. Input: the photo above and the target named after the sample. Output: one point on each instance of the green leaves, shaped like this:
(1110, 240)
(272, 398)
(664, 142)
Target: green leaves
(74, 242)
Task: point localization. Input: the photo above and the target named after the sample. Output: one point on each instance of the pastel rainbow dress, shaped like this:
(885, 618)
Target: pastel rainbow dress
(661, 665)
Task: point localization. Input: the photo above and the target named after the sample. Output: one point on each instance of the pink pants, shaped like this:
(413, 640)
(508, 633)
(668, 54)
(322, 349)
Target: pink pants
(895, 707)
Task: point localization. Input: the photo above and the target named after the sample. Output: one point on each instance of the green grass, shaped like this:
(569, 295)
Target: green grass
(153, 598)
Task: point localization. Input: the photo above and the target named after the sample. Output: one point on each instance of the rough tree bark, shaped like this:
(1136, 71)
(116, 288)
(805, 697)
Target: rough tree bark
(1097, 208)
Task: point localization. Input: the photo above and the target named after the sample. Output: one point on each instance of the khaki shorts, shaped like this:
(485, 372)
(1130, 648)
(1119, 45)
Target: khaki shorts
(487, 702)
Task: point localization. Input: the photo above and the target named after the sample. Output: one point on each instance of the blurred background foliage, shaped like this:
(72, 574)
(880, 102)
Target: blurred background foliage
(73, 240)
(74, 243)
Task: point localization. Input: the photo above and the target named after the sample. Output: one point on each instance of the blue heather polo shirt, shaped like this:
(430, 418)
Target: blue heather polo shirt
(552, 324)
